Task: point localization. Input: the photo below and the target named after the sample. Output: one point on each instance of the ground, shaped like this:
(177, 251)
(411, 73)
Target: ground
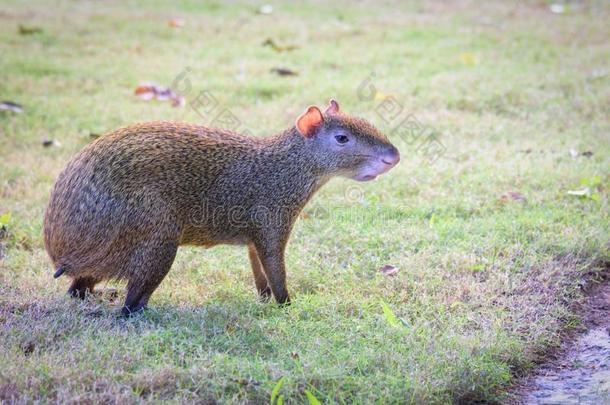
(495, 217)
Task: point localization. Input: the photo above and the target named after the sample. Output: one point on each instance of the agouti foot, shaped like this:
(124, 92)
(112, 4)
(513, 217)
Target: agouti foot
(132, 311)
(283, 303)
(265, 294)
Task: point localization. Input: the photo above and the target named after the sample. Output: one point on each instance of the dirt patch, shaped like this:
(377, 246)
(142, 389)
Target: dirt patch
(579, 372)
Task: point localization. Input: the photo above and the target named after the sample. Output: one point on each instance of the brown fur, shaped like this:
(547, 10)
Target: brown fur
(124, 204)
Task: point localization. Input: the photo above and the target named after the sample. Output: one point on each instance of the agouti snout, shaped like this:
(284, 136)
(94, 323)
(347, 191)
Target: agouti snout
(124, 204)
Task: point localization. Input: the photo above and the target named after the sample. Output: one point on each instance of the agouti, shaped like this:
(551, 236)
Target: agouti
(124, 204)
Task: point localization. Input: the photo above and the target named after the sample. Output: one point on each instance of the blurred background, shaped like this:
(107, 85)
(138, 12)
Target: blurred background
(442, 281)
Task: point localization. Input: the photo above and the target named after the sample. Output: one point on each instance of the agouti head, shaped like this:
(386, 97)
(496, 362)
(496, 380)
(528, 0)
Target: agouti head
(342, 145)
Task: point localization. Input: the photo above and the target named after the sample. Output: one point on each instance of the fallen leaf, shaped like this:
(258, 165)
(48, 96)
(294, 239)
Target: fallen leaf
(266, 9)
(23, 30)
(149, 91)
(5, 218)
(176, 23)
(388, 270)
(583, 192)
(50, 142)
(468, 58)
(294, 355)
(514, 196)
(284, 72)
(381, 96)
(271, 43)
(557, 8)
(10, 106)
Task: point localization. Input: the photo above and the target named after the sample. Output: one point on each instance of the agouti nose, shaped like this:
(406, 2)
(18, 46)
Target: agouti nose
(391, 157)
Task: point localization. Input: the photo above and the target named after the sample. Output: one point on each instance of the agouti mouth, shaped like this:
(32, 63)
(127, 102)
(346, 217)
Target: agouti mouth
(367, 177)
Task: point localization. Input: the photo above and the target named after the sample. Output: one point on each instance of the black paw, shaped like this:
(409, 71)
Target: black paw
(132, 311)
(265, 294)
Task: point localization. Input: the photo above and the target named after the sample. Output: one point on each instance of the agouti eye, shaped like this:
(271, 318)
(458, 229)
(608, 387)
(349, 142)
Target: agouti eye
(342, 139)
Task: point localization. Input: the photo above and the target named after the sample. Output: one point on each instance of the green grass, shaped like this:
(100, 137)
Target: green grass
(484, 286)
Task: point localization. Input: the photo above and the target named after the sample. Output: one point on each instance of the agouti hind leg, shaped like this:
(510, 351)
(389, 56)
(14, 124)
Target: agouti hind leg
(81, 286)
(151, 263)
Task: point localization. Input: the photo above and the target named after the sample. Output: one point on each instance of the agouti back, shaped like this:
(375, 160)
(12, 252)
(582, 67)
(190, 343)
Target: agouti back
(124, 204)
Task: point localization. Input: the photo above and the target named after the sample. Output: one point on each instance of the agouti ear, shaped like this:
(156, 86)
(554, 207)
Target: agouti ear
(333, 107)
(310, 121)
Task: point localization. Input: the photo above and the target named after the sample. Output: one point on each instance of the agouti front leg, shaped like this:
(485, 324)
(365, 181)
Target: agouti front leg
(271, 255)
(259, 274)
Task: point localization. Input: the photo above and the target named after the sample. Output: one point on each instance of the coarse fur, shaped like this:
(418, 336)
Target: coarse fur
(124, 204)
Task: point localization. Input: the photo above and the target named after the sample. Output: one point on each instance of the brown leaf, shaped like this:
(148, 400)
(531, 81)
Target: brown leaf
(294, 355)
(176, 23)
(277, 48)
(149, 91)
(512, 196)
(284, 72)
(388, 270)
(47, 143)
(23, 30)
(10, 106)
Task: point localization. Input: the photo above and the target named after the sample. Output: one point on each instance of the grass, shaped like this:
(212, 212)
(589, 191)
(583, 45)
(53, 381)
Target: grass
(485, 282)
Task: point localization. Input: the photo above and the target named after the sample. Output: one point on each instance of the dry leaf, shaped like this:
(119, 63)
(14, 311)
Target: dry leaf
(23, 30)
(468, 59)
(388, 270)
(10, 106)
(381, 96)
(512, 196)
(277, 48)
(557, 8)
(176, 23)
(50, 142)
(266, 9)
(580, 193)
(149, 91)
(284, 72)
(574, 153)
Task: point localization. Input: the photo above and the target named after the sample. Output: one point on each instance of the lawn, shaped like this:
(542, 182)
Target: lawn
(495, 218)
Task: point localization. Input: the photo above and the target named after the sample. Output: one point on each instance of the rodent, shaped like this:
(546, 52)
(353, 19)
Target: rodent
(125, 202)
